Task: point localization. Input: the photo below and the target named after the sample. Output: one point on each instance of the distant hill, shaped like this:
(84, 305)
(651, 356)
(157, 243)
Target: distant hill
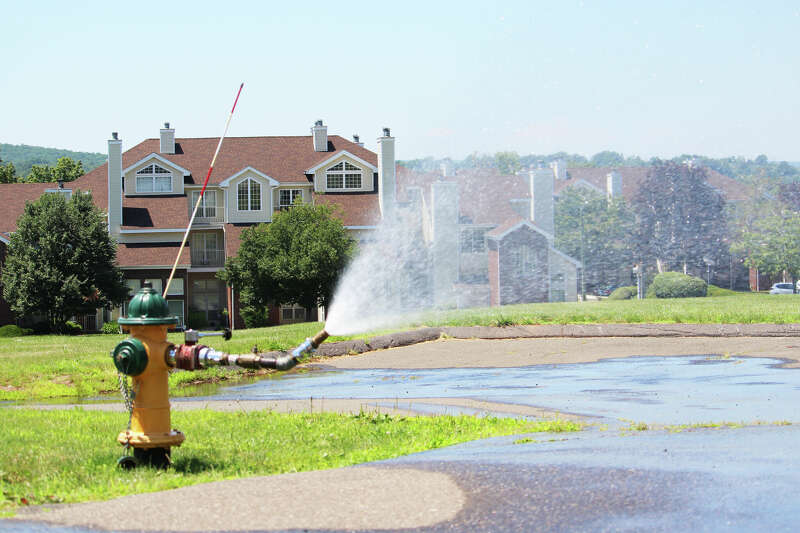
(24, 157)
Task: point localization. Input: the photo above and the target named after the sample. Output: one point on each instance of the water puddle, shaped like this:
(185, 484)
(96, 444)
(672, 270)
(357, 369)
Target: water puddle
(656, 390)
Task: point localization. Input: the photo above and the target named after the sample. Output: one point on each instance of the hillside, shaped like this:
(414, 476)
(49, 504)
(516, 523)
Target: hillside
(24, 157)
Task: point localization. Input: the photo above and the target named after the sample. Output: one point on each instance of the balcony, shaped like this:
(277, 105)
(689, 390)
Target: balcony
(208, 258)
(208, 215)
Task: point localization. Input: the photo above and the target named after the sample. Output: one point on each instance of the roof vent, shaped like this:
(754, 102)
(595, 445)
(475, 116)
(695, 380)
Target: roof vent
(386, 132)
(355, 138)
(166, 125)
(115, 135)
(318, 123)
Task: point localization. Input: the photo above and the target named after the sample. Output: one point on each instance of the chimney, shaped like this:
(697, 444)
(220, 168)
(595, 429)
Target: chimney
(559, 167)
(541, 190)
(387, 181)
(357, 140)
(320, 134)
(114, 185)
(445, 242)
(443, 167)
(167, 139)
(613, 185)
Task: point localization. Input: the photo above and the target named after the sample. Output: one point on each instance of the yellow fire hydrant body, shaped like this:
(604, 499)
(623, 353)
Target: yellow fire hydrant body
(143, 356)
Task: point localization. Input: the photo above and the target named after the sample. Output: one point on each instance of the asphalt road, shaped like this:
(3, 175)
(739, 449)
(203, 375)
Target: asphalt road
(733, 479)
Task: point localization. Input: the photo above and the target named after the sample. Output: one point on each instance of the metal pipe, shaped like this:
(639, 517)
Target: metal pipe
(192, 356)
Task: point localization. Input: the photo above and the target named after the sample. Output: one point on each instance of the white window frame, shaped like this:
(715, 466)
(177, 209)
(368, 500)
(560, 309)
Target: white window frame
(293, 195)
(249, 197)
(348, 171)
(151, 172)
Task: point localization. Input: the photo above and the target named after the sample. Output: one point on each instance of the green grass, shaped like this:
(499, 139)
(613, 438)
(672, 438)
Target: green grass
(70, 456)
(52, 366)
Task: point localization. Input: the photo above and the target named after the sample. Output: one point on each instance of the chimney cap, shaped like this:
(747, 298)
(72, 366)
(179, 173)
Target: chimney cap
(115, 135)
(318, 123)
(355, 137)
(166, 125)
(386, 132)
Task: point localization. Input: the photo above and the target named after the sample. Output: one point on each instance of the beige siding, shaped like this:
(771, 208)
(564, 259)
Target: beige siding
(130, 179)
(232, 203)
(367, 181)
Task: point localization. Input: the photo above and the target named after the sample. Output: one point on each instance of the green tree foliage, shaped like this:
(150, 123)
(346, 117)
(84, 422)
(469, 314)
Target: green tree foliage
(607, 159)
(40, 174)
(597, 232)
(60, 261)
(766, 228)
(680, 217)
(67, 169)
(297, 259)
(507, 162)
(24, 157)
(8, 174)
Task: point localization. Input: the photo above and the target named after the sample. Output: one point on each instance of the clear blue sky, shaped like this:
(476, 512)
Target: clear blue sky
(449, 78)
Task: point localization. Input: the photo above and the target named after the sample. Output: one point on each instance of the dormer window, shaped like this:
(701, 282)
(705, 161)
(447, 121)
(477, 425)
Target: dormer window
(343, 176)
(248, 194)
(153, 178)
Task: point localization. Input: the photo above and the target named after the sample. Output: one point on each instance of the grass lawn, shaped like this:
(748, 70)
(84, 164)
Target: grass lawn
(70, 456)
(53, 366)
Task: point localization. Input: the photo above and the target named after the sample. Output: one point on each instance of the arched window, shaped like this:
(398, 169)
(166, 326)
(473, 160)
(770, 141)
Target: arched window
(153, 178)
(343, 176)
(248, 194)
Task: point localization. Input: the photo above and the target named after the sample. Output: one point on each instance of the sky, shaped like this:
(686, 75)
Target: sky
(449, 78)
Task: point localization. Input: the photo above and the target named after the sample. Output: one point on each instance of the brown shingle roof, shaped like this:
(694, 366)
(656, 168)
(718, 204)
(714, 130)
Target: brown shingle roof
(140, 212)
(282, 158)
(160, 254)
(353, 209)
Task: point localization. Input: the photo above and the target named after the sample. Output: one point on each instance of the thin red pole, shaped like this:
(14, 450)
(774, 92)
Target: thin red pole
(202, 191)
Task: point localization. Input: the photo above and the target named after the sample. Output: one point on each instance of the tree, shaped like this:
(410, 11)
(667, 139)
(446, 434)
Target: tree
(597, 232)
(507, 162)
(607, 159)
(67, 169)
(8, 174)
(297, 259)
(60, 261)
(680, 217)
(40, 174)
(766, 227)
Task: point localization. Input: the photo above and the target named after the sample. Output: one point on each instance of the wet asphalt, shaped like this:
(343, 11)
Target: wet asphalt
(610, 477)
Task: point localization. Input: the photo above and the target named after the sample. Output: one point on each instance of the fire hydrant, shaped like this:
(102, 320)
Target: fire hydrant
(147, 357)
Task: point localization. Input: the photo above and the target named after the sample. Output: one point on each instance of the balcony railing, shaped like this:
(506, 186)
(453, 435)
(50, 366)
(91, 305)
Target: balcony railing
(208, 215)
(208, 258)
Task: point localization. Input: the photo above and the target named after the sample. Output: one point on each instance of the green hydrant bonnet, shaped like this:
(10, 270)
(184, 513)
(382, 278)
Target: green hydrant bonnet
(148, 308)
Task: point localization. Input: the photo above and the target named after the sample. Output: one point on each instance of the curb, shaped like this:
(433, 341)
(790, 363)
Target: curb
(406, 338)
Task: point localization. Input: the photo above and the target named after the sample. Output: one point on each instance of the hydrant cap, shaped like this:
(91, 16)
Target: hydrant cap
(148, 308)
(130, 357)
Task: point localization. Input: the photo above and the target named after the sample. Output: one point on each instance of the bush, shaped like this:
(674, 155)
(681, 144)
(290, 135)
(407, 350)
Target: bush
(14, 331)
(676, 285)
(197, 320)
(623, 293)
(110, 328)
(72, 328)
(254, 317)
(713, 290)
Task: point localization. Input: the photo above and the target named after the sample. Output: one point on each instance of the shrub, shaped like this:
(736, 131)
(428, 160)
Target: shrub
(14, 331)
(676, 285)
(72, 328)
(713, 290)
(197, 320)
(110, 328)
(623, 293)
(254, 317)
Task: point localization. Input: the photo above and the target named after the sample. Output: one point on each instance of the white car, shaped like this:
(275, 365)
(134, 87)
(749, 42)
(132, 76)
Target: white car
(782, 288)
